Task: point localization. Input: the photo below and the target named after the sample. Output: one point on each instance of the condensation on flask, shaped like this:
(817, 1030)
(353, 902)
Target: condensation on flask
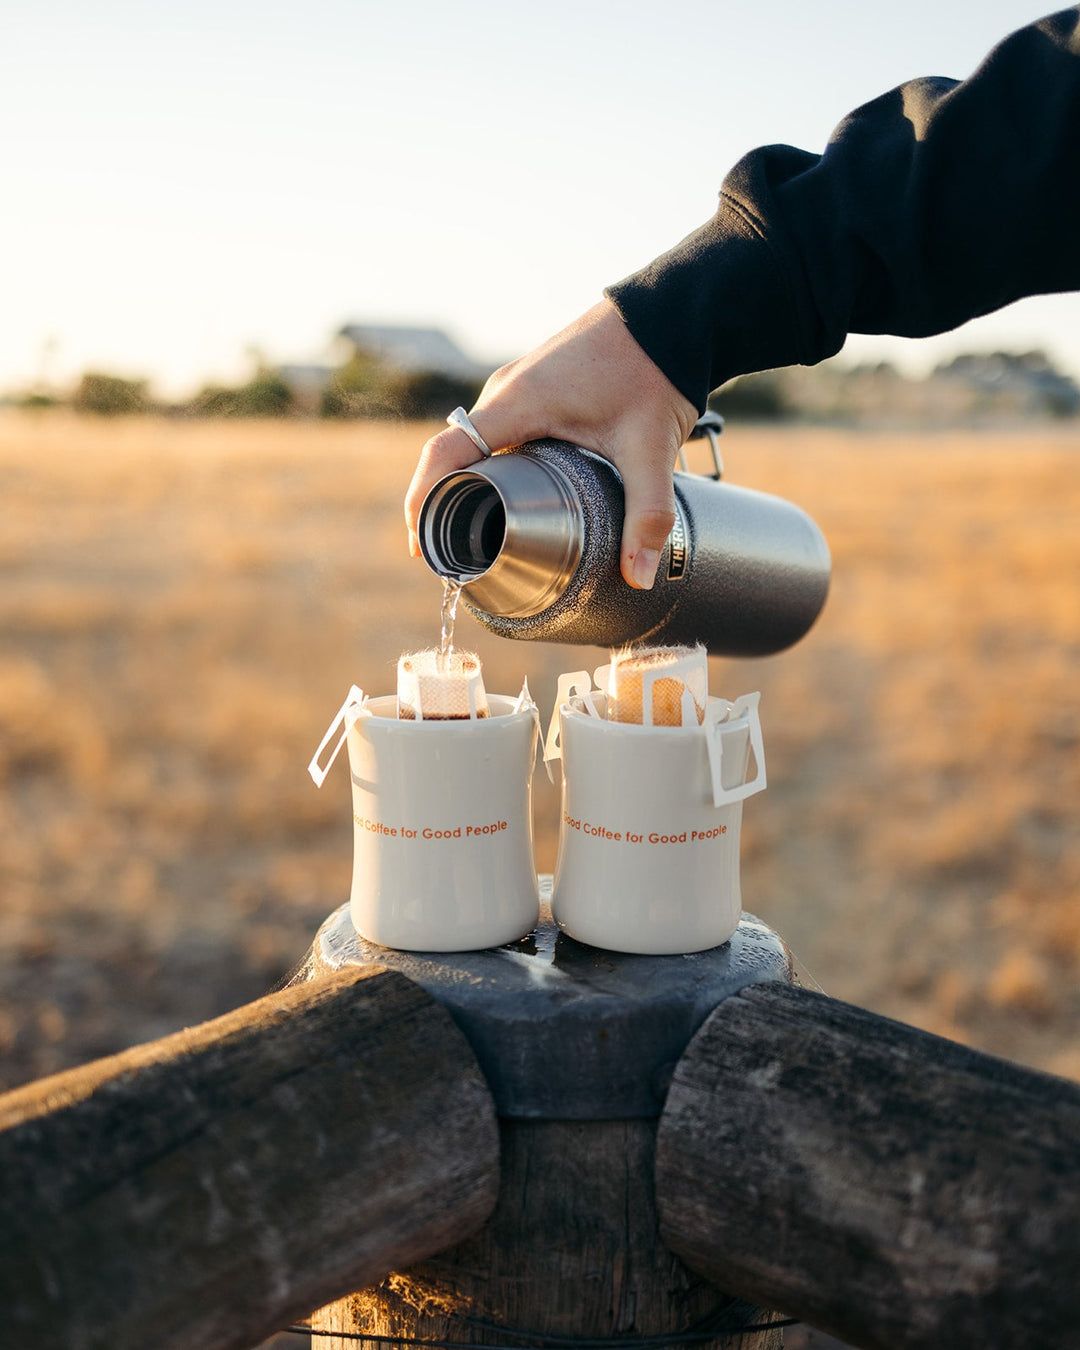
(533, 536)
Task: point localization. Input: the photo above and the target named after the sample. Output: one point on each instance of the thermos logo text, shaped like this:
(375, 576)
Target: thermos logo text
(678, 539)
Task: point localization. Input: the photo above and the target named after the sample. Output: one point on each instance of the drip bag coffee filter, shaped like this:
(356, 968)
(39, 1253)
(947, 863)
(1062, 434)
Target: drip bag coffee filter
(657, 686)
(431, 687)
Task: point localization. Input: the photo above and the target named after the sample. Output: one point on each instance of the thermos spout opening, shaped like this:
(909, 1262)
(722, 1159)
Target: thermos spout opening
(464, 531)
(509, 530)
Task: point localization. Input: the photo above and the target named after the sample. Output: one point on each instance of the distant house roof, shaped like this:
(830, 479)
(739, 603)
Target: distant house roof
(1026, 375)
(414, 349)
(306, 376)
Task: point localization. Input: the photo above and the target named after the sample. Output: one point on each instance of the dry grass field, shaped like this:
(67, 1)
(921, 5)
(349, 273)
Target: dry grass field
(183, 606)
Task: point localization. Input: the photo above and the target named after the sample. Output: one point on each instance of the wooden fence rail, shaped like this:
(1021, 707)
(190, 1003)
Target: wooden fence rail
(923, 1196)
(200, 1192)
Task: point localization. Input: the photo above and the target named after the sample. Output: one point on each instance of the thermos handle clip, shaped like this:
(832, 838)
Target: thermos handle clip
(707, 427)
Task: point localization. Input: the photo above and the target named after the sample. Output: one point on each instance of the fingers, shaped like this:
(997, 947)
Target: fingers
(506, 413)
(594, 386)
(444, 453)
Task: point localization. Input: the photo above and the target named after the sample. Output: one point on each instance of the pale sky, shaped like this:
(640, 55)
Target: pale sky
(184, 182)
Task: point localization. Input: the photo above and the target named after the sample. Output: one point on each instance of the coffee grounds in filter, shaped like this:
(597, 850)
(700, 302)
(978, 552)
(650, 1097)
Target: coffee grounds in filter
(672, 673)
(431, 687)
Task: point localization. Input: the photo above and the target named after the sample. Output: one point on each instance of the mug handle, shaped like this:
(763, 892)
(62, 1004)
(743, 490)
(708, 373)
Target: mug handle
(720, 714)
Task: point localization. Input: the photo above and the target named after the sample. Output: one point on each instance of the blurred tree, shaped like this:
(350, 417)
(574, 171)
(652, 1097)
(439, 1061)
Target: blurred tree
(365, 387)
(431, 393)
(109, 395)
(359, 388)
(266, 394)
(754, 398)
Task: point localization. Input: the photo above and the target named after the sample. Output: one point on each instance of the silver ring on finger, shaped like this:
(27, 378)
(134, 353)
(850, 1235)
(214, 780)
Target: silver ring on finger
(460, 418)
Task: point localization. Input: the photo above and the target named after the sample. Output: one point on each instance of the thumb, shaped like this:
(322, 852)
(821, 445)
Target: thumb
(650, 515)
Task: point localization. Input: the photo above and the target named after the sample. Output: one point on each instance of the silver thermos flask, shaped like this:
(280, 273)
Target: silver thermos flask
(533, 536)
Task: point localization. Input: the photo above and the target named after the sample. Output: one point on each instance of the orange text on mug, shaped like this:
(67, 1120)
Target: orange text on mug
(595, 831)
(429, 831)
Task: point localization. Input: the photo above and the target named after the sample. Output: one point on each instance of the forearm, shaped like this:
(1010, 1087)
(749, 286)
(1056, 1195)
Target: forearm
(935, 203)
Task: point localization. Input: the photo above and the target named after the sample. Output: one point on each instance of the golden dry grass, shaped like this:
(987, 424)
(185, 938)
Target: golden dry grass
(183, 605)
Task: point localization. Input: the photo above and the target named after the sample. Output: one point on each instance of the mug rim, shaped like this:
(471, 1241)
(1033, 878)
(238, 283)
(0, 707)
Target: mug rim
(500, 708)
(639, 728)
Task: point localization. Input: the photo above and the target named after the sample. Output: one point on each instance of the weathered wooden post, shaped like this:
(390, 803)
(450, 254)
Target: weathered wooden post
(925, 1196)
(199, 1192)
(578, 1047)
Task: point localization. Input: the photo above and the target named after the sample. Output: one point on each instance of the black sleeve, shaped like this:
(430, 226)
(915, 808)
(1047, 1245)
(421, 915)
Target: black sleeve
(935, 203)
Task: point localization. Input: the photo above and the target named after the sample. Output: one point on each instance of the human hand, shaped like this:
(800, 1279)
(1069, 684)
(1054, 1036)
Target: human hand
(592, 385)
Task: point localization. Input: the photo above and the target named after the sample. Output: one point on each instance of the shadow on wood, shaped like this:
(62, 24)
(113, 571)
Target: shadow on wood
(201, 1191)
(571, 1251)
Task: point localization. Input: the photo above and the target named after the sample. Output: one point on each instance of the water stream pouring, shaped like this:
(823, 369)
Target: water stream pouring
(533, 536)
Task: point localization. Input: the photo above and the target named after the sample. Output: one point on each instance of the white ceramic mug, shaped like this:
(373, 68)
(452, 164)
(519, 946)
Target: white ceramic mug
(649, 837)
(443, 840)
